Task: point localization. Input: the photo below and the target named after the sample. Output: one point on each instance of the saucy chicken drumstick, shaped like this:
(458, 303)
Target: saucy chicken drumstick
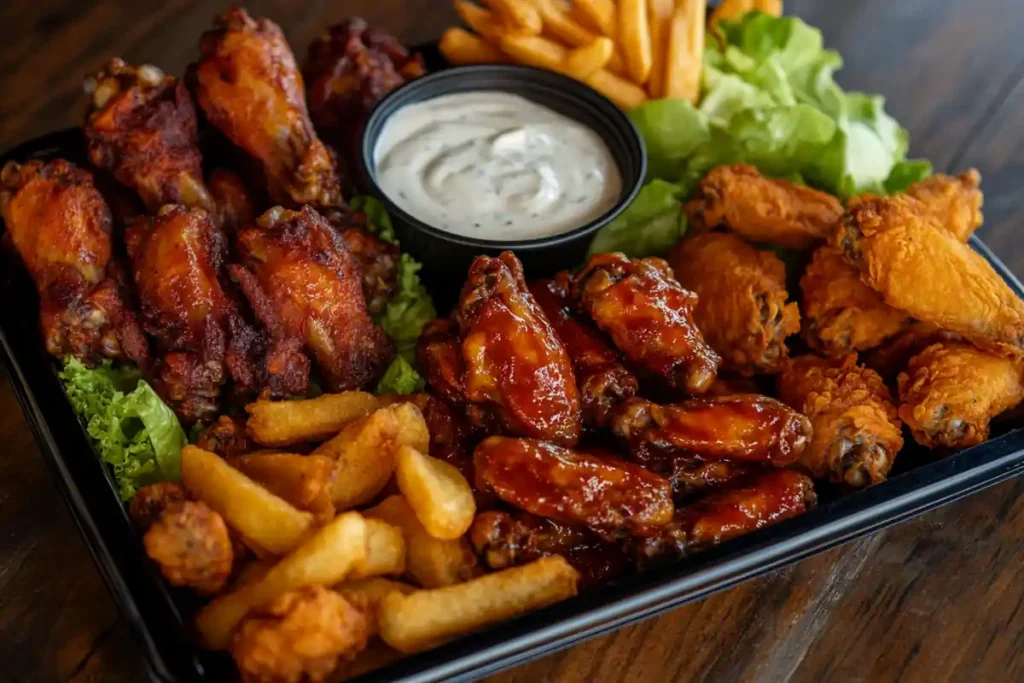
(142, 127)
(951, 391)
(741, 300)
(60, 225)
(856, 434)
(250, 89)
(649, 317)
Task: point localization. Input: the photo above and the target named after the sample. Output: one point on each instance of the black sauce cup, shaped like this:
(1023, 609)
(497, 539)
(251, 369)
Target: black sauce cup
(446, 256)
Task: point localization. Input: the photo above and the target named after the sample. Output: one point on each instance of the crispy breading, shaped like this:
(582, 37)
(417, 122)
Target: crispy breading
(190, 543)
(955, 201)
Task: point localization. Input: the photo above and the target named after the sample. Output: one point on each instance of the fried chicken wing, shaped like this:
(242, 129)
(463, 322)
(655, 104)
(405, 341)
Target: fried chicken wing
(760, 209)
(378, 260)
(743, 427)
(234, 206)
(60, 225)
(149, 502)
(250, 88)
(741, 300)
(571, 487)
(892, 357)
(142, 127)
(301, 637)
(841, 313)
(954, 201)
(190, 543)
(856, 433)
(514, 361)
(902, 252)
(649, 317)
(304, 286)
(603, 381)
(951, 391)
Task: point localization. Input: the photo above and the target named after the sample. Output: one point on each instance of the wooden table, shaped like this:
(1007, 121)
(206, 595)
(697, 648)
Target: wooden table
(936, 599)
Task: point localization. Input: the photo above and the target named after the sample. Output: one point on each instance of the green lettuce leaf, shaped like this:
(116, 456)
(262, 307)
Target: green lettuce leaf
(400, 378)
(672, 130)
(906, 173)
(133, 430)
(652, 224)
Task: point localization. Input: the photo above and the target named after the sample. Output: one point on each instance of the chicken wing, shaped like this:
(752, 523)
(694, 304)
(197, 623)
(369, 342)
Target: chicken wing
(378, 260)
(575, 488)
(760, 209)
(919, 268)
(649, 317)
(743, 427)
(149, 502)
(856, 433)
(177, 259)
(951, 391)
(691, 475)
(142, 127)
(250, 88)
(60, 225)
(304, 286)
(954, 201)
(841, 313)
(226, 437)
(190, 543)
(892, 357)
(514, 361)
(741, 300)
(235, 208)
(602, 380)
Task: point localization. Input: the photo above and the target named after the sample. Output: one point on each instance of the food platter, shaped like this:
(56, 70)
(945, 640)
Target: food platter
(160, 616)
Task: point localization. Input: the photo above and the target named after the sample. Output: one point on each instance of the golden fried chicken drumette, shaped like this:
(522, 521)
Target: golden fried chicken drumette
(892, 357)
(190, 543)
(856, 433)
(954, 201)
(951, 391)
(741, 300)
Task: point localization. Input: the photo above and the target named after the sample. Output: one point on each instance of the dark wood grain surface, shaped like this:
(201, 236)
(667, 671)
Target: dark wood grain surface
(935, 599)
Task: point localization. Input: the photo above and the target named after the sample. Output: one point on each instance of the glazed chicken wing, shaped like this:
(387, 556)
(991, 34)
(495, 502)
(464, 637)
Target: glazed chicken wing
(304, 286)
(603, 381)
(649, 317)
(760, 209)
(841, 313)
(954, 201)
(743, 427)
(141, 127)
(191, 545)
(902, 253)
(607, 495)
(951, 391)
(250, 88)
(691, 475)
(234, 206)
(60, 225)
(378, 260)
(856, 434)
(741, 300)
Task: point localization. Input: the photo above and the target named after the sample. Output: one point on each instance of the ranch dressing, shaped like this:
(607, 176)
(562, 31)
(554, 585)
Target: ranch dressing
(495, 166)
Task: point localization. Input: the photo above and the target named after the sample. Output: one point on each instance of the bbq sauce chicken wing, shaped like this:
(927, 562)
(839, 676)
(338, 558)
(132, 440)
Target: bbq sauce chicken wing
(760, 209)
(954, 201)
(177, 260)
(917, 267)
(649, 317)
(856, 433)
(304, 286)
(841, 313)
(250, 88)
(741, 300)
(951, 391)
(142, 127)
(60, 225)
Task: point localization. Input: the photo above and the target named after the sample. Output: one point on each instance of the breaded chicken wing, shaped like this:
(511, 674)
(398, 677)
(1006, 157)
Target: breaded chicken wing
(191, 545)
(856, 433)
(142, 127)
(649, 317)
(761, 209)
(919, 268)
(841, 313)
(60, 225)
(892, 357)
(951, 391)
(250, 88)
(149, 502)
(304, 286)
(742, 308)
(954, 201)
(234, 206)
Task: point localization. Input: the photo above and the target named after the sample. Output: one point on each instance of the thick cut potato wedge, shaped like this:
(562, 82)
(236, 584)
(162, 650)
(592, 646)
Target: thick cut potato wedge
(437, 492)
(284, 423)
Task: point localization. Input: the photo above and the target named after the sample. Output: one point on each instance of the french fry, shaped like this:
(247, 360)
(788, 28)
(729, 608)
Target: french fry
(284, 423)
(385, 551)
(597, 15)
(660, 12)
(731, 10)
(534, 51)
(365, 455)
(583, 61)
(622, 92)
(560, 26)
(772, 7)
(421, 620)
(302, 480)
(262, 518)
(368, 593)
(437, 492)
(325, 558)
(634, 38)
(686, 50)
(482, 21)
(430, 562)
(461, 47)
(518, 15)
(252, 572)
(412, 428)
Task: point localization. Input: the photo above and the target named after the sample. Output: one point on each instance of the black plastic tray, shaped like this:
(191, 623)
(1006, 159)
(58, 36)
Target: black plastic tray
(158, 615)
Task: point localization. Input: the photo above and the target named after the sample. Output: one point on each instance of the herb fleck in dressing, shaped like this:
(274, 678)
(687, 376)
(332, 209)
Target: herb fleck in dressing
(497, 166)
